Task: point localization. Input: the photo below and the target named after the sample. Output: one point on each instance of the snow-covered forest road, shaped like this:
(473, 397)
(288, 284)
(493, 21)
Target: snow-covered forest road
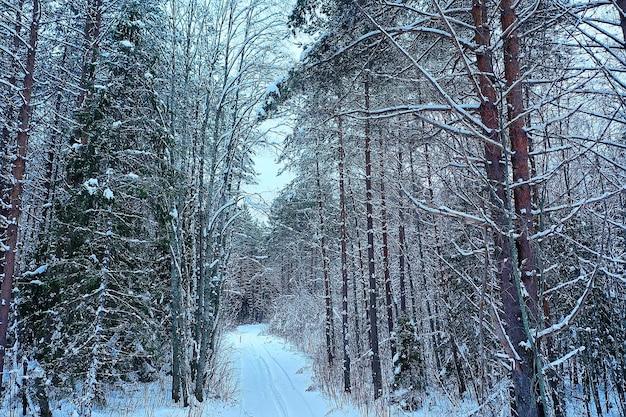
(273, 379)
(445, 234)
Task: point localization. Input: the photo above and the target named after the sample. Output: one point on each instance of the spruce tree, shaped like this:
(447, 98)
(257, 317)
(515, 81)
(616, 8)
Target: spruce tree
(107, 258)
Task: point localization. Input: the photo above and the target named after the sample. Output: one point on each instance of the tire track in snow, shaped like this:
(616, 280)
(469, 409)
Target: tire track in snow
(256, 377)
(293, 387)
(276, 395)
(270, 384)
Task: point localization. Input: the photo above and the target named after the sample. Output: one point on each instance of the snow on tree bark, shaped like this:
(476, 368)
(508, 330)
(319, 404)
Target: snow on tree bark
(371, 259)
(524, 369)
(10, 246)
(329, 324)
(347, 386)
(385, 239)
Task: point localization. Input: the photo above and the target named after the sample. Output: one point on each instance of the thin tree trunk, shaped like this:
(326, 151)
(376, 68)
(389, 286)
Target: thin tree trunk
(179, 383)
(344, 264)
(93, 25)
(8, 130)
(50, 174)
(329, 322)
(357, 312)
(201, 251)
(357, 273)
(401, 241)
(621, 8)
(91, 384)
(385, 237)
(216, 235)
(19, 164)
(434, 338)
(373, 287)
(444, 285)
(203, 316)
(362, 282)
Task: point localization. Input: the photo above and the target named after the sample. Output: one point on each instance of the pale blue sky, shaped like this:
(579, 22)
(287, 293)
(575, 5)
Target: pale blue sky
(271, 177)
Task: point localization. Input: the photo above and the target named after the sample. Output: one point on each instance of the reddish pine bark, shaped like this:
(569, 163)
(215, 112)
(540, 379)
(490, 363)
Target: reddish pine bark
(523, 373)
(14, 210)
(526, 401)
(519, 159)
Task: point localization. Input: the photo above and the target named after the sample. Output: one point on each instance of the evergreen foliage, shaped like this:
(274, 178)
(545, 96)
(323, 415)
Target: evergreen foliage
(409, 380)
(107, 258)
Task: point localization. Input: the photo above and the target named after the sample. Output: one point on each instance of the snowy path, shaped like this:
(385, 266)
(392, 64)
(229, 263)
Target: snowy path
(273, 379)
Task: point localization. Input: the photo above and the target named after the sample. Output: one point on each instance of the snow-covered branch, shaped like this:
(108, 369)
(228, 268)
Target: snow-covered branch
(567, 321)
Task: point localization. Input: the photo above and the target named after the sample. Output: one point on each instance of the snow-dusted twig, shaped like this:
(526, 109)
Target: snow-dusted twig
(502, 336)
(567, 321)
(576, 206)
(445, 211)
(563, 359)
(562, 285)
(435, 83)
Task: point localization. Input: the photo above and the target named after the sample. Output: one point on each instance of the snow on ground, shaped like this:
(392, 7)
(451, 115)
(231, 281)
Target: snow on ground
(272, 380)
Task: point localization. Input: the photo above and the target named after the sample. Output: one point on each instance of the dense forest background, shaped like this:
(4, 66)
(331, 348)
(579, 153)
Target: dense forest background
(456, 226)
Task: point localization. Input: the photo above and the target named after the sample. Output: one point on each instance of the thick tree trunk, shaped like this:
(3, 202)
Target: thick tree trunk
(523, 373)
(526, 257)
(344, 265)
(371, 261)
(14, 205)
